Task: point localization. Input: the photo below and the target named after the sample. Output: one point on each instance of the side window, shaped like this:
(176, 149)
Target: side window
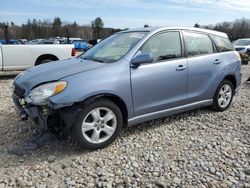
(223, 44)
(197, 44)
(163, 46)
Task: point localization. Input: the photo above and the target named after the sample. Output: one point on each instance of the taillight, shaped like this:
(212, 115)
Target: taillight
(73, 52)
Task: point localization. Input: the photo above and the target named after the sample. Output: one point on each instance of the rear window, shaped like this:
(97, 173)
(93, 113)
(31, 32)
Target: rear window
(223, 44)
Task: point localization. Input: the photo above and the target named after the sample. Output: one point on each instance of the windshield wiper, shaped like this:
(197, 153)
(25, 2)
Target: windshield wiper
(96, 59)
(92, 59)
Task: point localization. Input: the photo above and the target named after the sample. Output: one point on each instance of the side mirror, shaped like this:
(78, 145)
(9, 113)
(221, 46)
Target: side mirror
(142, 59)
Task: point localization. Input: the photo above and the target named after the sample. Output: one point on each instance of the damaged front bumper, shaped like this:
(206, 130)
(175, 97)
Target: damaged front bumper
(38, 114)
(46, 117)
(245, 57)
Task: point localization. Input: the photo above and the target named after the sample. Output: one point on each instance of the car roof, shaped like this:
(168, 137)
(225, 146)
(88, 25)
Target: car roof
(157, 29)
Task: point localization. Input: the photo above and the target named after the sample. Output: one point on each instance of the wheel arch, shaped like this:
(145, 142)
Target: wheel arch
(45, 56)
(232, 79)
(220, 79)
(115, 99)
(70, 113)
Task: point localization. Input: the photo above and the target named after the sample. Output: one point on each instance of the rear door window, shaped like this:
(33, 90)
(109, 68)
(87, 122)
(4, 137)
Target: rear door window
(197, 44)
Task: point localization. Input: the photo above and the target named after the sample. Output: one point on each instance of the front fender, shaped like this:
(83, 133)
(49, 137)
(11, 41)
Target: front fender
(111, 79)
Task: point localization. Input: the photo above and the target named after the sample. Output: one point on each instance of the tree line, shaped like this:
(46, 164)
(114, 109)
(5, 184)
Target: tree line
(239, 28)
(34, 29)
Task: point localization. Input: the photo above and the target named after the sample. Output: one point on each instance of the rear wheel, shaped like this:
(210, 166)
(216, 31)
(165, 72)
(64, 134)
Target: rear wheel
(223, 96)
(44, 61)
(98, 124)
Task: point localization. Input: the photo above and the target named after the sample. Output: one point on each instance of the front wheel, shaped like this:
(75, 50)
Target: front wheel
(98, 124)
(223, 96)
(245, 62)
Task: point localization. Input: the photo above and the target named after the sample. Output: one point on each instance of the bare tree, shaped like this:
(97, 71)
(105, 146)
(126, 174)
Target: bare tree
(240, 28)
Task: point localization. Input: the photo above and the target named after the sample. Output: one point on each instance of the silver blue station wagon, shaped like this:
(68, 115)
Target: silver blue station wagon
(131, 77)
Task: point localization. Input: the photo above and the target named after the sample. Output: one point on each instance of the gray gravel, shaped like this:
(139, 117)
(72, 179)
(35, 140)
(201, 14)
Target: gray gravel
(200, 148)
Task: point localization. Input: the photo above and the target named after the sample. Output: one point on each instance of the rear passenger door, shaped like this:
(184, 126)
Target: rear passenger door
(203, 65)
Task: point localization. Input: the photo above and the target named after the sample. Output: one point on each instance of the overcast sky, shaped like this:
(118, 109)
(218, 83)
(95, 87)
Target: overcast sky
(126, 13)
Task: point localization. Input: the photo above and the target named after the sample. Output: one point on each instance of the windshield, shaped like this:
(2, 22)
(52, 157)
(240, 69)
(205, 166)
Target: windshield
(242, 42)
(113, 48)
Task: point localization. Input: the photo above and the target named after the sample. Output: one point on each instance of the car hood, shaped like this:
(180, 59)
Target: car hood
(53, 71)
(237, 47)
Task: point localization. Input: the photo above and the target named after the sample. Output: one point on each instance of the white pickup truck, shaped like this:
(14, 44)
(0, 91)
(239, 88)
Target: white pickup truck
(21, 57)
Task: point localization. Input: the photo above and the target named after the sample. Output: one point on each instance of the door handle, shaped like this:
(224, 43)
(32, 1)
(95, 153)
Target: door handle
(180, 68)
(217, 61)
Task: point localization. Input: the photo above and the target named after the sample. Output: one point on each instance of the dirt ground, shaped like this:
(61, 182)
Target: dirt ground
(200, 148)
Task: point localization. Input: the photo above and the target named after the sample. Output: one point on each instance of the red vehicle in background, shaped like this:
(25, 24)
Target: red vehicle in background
(243, 47)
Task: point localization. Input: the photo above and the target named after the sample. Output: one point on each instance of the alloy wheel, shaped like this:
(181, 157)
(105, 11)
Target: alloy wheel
(225, 95)
(99, 125)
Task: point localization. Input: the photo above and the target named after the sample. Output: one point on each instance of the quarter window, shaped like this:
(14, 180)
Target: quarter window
(223, 44)
(164, 46)
(197, 44)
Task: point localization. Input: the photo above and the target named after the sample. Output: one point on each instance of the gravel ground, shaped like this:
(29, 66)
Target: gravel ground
(200, 148)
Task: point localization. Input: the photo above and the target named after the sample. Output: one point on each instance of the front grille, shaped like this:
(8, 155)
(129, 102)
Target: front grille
(18, 91)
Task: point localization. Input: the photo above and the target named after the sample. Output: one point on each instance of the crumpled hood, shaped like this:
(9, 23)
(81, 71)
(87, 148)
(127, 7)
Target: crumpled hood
(53, 71)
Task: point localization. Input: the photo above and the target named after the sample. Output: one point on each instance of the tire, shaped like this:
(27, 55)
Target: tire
(92, 130)
(223, 97)
(44, 61)
(244, 62)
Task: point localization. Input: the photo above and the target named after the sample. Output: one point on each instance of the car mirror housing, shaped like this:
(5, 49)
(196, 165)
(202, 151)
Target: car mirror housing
(142, 59)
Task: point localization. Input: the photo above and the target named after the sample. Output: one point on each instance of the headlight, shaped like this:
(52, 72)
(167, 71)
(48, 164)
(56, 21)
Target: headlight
(40, 95)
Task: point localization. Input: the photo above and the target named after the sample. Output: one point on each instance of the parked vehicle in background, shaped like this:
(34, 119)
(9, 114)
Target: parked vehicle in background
(243, 47)
(81, 45)
(130, 77)
(71, 39)
(51, 40)
(21, 57)
(94, 41)
(22, 41)
(35, 41)
(12, 41)
(46, 41)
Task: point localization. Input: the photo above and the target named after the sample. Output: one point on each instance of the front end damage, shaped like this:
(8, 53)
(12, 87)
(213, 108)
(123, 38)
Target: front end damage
(244, 57)
(47, 117)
